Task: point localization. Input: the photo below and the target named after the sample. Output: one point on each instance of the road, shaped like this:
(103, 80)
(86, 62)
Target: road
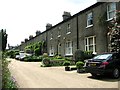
(31, 75)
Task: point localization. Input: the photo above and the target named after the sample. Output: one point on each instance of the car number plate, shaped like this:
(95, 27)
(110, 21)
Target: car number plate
(93, 64)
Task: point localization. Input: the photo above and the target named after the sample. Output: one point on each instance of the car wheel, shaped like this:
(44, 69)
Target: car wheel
(116, 73)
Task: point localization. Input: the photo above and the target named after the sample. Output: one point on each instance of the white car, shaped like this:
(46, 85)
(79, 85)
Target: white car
(22, 55)
(17, 57)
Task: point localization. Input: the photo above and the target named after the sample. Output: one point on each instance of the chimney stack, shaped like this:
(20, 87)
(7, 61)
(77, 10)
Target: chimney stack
(66, 15)
(48, 26)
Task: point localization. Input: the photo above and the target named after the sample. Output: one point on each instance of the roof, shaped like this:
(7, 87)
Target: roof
(75, 15)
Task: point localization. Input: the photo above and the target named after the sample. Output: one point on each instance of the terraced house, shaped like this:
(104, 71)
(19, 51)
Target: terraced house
(87, 30)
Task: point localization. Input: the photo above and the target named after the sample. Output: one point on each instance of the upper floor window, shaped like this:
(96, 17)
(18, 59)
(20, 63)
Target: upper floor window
(59, 33)
(68, 29)
(89, 19)
(51, 36)
(111, 8)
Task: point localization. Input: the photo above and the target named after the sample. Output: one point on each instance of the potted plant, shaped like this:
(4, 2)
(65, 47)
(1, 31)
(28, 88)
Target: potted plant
(66, 64)
(79, 66)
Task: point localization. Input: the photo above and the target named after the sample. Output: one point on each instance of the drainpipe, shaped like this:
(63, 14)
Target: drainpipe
(77, 32)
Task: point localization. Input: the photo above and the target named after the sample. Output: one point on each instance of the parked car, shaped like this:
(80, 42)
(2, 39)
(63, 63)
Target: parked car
(107, 63)
(22, 55)
(17, 57)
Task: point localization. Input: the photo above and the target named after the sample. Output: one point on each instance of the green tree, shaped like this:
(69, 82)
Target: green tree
(3, 39)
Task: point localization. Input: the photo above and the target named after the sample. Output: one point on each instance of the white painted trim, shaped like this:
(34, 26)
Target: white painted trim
(89, 26)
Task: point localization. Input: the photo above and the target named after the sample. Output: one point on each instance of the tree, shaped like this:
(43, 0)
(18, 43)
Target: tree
(3, 39)
(114, 33)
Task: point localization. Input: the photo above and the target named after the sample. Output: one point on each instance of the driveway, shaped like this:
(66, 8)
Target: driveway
(31, 75)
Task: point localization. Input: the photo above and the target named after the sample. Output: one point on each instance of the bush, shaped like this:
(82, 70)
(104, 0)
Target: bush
(88, 54)
(56, 62)
(46, 62)
(45, 55)
(66, 63)
(12, 53)
(79, 65)
(79, 56)
(7, 81)
(33, 58)
(37, 51)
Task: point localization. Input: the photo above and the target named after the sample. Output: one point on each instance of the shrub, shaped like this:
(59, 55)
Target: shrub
(37, 51)
(88, 54)
(79, 65)
(46, 62)
(33, 58)
(45, 55)
(79, 55)
(66, 63)
(7, 81)
(56, 62)
(12, 53)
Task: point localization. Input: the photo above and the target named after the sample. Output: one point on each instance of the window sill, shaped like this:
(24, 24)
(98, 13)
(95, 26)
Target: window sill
(89, 26)
(59, 36)
(109, 19)
(51, 38)
(51, 55)
(68, 33)
(68, 54)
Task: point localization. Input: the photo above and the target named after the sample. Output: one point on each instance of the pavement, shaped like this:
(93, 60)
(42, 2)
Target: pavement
(32, 75)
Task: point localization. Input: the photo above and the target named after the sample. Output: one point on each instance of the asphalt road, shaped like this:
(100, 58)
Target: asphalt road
(31, 75)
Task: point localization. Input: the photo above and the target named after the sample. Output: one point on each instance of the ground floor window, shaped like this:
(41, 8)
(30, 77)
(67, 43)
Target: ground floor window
(90, 43)
(59, 48)
(51, 53)
(68, 48)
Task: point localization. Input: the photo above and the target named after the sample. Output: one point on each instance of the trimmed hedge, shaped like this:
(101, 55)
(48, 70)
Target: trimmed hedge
(33, 58)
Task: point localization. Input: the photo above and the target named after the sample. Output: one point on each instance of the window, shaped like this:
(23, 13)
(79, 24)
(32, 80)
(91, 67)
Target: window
(51, 36)
(68, 50)
(68, 29)
(59, 34)
(89, 19)
(51, 51)
(59, 48)
(111, 8)
(90, 43)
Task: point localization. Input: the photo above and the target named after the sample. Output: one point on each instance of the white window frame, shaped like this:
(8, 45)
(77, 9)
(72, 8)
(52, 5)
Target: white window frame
(68, 29)
(93, 43)
(51, 52)
(89, 18)
(113, 10)
(59, 33)
(68, 48)
(51, 36)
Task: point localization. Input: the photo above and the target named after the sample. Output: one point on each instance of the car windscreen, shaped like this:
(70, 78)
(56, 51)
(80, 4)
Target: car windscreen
(103, 56)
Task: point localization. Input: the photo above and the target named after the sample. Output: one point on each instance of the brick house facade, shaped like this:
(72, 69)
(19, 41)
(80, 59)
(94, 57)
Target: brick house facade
(86, 30)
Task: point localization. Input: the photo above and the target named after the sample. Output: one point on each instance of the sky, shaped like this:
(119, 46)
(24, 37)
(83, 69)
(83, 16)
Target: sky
(22, 18)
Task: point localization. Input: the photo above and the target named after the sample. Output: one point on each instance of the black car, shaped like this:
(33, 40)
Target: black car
(107, 63)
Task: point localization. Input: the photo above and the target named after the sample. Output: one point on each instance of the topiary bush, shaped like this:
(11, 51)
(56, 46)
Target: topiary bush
(79, 65)
(88, 54)
(66, 63)
(79, 55)
(45, 55)
(46, 62)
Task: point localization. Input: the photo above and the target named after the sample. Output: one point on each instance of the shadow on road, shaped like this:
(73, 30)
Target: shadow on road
(105, 78)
